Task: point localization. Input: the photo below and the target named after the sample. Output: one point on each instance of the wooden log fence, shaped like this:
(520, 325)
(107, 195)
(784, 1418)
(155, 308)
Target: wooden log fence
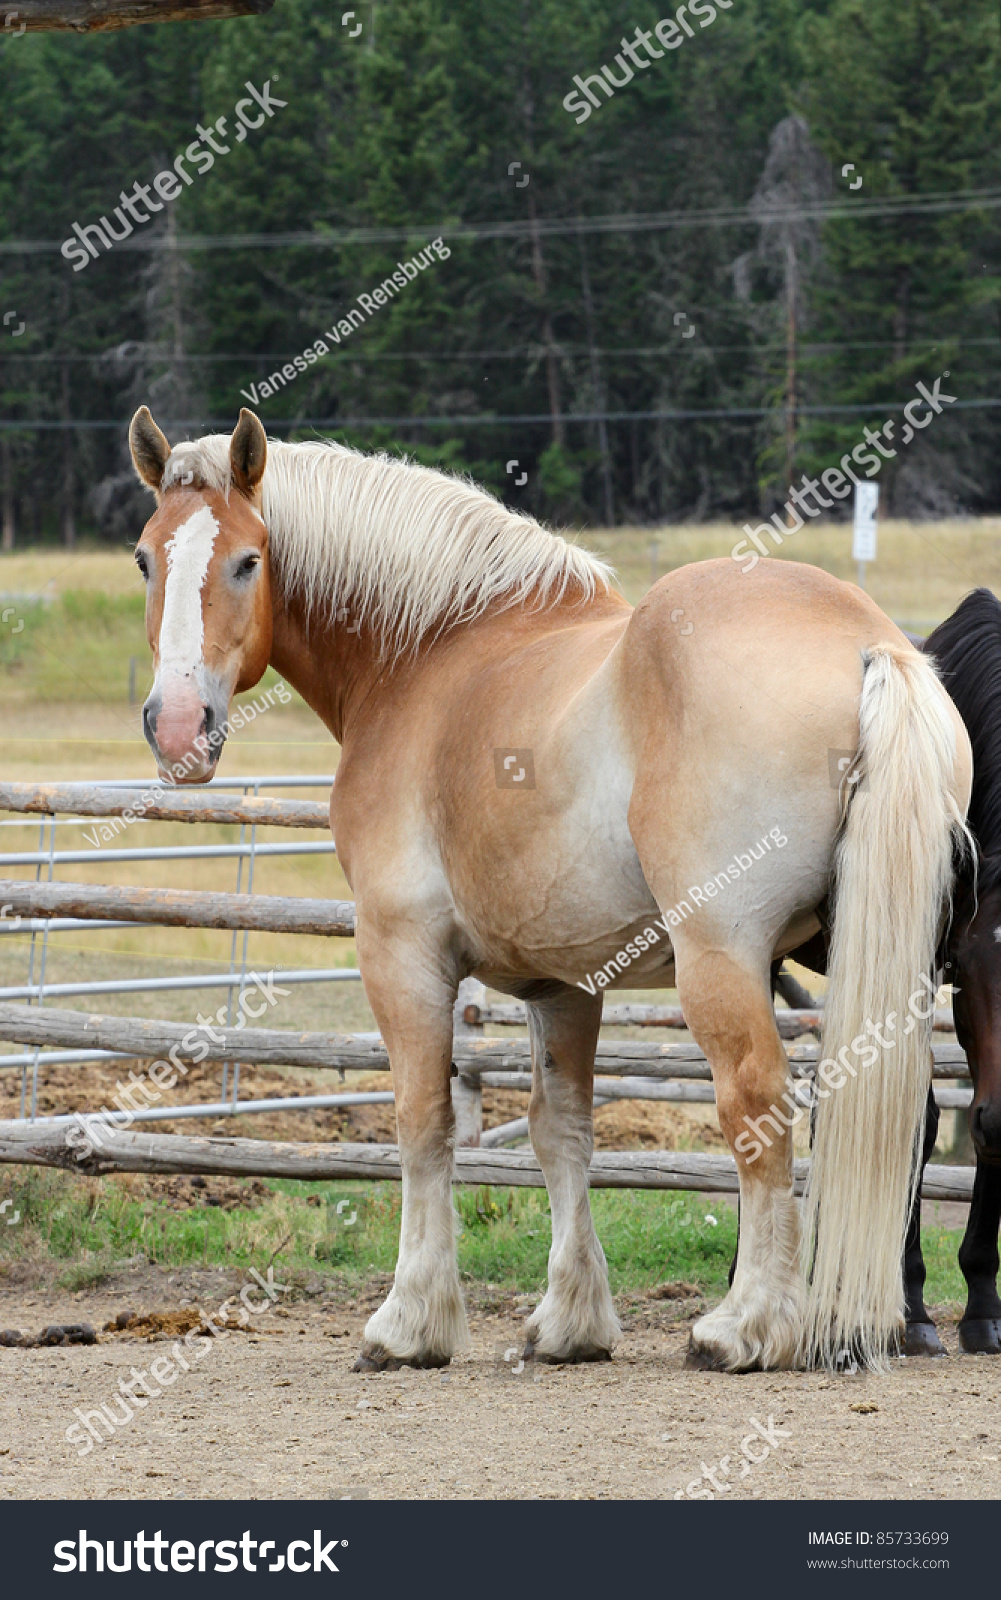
(178, 908)
(100, 16)
(176, 805)
(625, 1015)
(625, 1069)
(147, 1038)
(38, 1145)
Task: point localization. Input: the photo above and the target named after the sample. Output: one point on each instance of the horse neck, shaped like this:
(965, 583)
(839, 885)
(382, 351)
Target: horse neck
(333, 668)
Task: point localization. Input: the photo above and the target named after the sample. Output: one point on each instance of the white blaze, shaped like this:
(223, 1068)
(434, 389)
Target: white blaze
(182, 631)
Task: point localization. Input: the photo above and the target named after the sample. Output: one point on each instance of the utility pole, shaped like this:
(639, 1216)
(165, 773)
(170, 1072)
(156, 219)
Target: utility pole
(791, 275)
(69, 510)
(538, 261)
(7, 474)
(548, 341)
(597, 386)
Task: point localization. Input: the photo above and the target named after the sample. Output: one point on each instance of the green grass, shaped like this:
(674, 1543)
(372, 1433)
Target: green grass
(77, 648)
(83, 1226)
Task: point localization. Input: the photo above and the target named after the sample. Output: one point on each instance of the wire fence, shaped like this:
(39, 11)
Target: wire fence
(46, 859)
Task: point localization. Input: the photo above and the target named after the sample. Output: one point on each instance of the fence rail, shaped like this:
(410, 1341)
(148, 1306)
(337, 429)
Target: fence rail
(183, 805)
(200, 980)
(145, 1038)
(36, 1144)
(167, 852)
(179, 908)
(791, 1023)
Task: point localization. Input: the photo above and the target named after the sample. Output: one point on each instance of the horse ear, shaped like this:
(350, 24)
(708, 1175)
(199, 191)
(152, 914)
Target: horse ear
(149, 448)
(248, 452)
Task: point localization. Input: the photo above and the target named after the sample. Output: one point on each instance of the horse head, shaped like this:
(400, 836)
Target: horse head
(204, 559)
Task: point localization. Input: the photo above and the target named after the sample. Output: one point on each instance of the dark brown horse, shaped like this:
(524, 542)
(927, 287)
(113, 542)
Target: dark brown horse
(967, 650)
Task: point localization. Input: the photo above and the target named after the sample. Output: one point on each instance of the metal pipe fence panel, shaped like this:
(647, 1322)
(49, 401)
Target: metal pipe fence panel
(212, 980)
(226, 804)
(168, 852)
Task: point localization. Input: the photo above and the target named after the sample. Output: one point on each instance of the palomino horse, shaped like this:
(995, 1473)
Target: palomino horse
(558, 793)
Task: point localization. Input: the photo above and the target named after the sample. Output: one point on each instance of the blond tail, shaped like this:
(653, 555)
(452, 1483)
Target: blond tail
(892, 873)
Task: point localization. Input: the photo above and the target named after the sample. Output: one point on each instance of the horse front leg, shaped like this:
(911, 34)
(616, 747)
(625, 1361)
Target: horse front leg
(980, 1329)
(422, 1322)
(920, 1337)
(576, 1319)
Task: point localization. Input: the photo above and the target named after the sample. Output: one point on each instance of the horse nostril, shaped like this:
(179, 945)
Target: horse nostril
(212, 735)
(149, 722)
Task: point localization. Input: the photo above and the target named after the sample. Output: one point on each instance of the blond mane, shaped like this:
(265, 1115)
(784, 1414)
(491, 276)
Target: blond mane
(403, 549)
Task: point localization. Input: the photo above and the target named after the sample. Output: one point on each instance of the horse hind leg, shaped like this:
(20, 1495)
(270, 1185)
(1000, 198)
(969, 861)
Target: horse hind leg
(576, 1319)
(980, 1329)
(727, 1006)
(794, 995)
(920, 1337)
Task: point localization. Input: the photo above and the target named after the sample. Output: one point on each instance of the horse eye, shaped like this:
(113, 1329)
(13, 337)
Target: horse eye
(247, 566)
(141, 563)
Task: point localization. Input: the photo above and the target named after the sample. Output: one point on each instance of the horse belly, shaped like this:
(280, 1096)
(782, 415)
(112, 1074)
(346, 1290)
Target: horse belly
(573, 897)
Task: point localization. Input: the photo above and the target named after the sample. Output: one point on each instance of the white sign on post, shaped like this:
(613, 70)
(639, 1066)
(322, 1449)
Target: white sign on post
(864, 532)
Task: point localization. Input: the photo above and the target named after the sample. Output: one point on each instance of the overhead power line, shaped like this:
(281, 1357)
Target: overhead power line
(339, 424)
(524, 354)
(754, 215)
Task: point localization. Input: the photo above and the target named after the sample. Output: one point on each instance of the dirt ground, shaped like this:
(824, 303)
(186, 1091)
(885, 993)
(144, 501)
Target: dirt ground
(275, 1412)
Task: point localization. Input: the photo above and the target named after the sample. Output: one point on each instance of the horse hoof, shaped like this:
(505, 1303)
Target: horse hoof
(981, 1336)
(703, 1358)
(382, 1361)
(374, 1364)
(921, 1339)
(590, 1352)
